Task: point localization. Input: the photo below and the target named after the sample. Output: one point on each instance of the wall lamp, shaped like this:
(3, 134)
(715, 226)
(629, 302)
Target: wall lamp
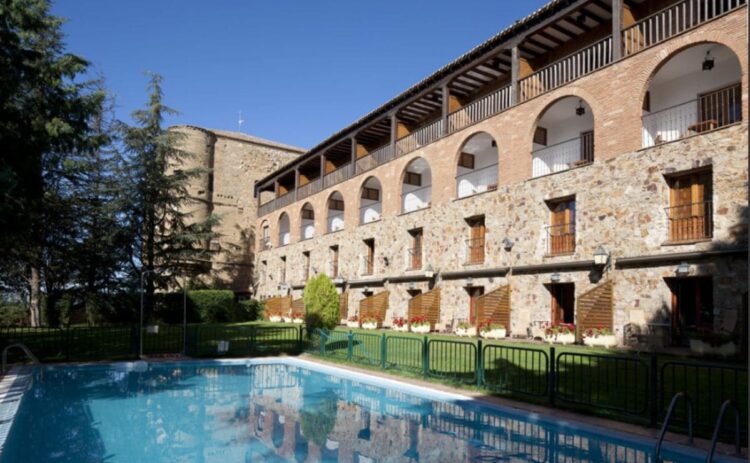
(555, 278)
(683, 269)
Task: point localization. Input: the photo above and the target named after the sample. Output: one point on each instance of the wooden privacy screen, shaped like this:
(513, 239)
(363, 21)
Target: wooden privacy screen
(277, 305)
(494, 307)
(298, 306)
(374, 306)
(426, 305)
(595, 309)
(344, 305)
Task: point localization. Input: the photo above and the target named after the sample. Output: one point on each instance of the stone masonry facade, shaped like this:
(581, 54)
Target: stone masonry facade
(231, 162)
(620, 205)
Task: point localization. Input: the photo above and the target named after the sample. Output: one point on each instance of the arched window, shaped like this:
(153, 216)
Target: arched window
(696, 90)
(265, 235)
(284, 229)
(335, 218)
(477, 166)
(307, 222)
(416, 186)
(371, 201)
(563, 137)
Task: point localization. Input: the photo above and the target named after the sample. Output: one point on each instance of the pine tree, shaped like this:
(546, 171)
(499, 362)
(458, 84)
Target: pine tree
(45, 114)
(166, 240)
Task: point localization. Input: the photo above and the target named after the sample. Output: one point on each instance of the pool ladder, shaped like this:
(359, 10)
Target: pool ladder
(665, 425)
(23, 348)
(717, 428)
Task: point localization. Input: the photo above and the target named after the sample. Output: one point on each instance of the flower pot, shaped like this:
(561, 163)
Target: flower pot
(401, 329)
(298, 321)
(703, 348)
(494, 334)
(602, 340)
(465, 331)
(369, 325)
(560, 338)
(275, 318)
(420, 329)
(351, 324)
(287, 319)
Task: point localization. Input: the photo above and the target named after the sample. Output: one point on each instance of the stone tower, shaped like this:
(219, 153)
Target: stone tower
(231, 162)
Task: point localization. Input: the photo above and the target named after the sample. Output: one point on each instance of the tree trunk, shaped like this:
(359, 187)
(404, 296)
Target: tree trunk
(35, 315)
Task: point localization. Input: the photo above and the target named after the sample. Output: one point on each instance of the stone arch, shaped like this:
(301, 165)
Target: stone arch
(284, 229)
(370, 200)
(416, 185)
(476, 162)
(307, 221)
(335, 209)
(563, 135)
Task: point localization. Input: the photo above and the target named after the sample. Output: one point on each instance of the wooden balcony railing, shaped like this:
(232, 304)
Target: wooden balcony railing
(475, 251)
(710, 111)
(419, 138)
(571, 67)
(372, 160)
(368, 266)
(309, 189)
(561, 239)
(481, 109)
(690, 222)
(673, 20)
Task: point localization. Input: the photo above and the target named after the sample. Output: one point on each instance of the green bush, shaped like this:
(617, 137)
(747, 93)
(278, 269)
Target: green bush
(214, 305)
(204, 306)
(249, 310)
(321, 303)
(14, 313)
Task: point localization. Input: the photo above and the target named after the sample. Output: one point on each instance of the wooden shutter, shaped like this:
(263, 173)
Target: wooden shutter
(466, 160)
(426, 305)
(540, 136)
(474, 294)
(412, 178)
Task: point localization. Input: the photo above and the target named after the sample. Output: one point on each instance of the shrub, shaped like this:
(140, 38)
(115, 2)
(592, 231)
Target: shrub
(214, 305)
(14, 314)
(249, 310)
(321, 302)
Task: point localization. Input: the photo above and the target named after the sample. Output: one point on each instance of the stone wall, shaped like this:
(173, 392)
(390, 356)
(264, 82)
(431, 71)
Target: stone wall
(233, 162)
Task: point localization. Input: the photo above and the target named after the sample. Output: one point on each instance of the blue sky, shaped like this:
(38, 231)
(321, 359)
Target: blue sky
(298, 70)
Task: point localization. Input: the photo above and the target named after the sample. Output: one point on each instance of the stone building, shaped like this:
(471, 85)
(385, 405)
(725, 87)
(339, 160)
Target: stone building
(586, 165)
(231, 162)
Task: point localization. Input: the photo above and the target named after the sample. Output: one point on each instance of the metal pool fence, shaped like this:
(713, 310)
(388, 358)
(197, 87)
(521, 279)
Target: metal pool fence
(122, 342)
(635, 387)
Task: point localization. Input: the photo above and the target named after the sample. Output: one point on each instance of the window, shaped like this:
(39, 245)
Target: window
(263, 270)
(265, 237)
(475, 243)
(306, 263)
(415, 251)
(308, 214)
(372, 194)
(692, 306)
(411, 178)
(369, 258)
(466, 160)
(563, 303)
(334, 261)
(562, 228)
(282, 270)
(690, 207)
(336, 204)
(540, 136)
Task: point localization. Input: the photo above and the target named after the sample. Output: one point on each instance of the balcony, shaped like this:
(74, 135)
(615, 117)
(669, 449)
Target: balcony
(474, 251)
(475, 94)
(567, 69)
(562, 156)
(711, 111)
(561, 239)
(690, 222)
(673, 20)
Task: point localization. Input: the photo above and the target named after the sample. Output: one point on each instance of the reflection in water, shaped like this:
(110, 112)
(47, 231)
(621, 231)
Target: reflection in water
(275, 413)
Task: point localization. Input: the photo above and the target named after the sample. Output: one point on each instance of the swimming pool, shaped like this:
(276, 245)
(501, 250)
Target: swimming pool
(282, 410)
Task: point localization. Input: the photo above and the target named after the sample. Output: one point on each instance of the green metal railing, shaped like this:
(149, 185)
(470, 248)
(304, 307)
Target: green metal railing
(631, 386)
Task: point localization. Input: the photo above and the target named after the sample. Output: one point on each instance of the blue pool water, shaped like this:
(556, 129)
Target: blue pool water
(279, 411)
